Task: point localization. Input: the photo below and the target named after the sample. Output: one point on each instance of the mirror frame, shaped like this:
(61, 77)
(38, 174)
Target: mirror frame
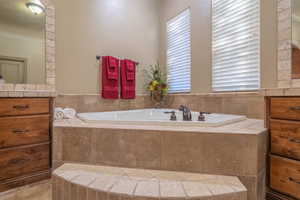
(284, 49)
(20, 90)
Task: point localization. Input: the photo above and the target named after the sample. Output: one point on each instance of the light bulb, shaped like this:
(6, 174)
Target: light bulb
(35, 8)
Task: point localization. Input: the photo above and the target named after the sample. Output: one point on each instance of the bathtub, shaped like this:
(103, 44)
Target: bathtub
(157, 117)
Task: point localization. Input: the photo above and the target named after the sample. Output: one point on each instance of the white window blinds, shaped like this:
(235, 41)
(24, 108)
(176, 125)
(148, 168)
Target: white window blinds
(236, 45)
(179, 53)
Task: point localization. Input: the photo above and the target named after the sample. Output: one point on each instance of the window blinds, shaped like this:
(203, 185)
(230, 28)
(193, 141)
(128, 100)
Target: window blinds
(236, 45)
(179, 53)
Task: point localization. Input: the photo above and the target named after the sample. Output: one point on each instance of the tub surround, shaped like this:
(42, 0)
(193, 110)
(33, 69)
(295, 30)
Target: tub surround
(95, 103)
(165, 148)
(249, 104)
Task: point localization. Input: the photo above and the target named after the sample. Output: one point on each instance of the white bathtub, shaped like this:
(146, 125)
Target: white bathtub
(157, 117)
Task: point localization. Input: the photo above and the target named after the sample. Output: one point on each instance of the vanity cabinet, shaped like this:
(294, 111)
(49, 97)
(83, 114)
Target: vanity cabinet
(283, 121)
(25, 141)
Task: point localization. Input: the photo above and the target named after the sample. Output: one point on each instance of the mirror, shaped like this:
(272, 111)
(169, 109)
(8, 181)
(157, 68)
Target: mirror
(22, 42)
(296, 39)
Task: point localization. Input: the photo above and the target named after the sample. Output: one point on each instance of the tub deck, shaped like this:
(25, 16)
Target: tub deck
(248, 126)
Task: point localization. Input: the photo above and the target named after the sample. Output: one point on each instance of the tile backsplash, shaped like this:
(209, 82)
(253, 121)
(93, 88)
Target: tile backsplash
(249, 104)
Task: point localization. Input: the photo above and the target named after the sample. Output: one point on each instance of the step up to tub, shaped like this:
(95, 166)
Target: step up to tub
(88, 182)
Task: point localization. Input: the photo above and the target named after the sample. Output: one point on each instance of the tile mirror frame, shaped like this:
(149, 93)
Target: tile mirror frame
(20, 90)
(284, 49)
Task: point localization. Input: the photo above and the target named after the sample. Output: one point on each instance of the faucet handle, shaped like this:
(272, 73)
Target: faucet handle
(201, 117)
(173, 115)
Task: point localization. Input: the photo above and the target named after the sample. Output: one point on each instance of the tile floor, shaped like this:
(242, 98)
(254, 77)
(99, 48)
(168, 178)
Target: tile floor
(37, 191)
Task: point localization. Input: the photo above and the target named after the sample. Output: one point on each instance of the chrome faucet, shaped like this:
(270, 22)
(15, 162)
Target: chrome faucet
(186, 113)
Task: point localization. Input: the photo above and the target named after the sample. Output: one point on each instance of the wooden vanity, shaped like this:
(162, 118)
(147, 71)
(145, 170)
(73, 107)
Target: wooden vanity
(25, 141)
(283, 121)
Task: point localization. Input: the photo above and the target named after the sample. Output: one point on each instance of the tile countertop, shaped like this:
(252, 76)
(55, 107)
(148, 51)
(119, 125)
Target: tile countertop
(249, 126)
(33, 93)
(27, 90)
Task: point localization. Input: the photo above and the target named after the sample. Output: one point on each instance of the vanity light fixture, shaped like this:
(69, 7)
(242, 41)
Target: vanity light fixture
(35, 8)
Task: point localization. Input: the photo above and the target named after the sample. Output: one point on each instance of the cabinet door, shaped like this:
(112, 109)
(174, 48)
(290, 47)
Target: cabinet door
(285, 176)
(23, 106)
(21, 161)
(285, 138)
(16, 131)
(285, 108)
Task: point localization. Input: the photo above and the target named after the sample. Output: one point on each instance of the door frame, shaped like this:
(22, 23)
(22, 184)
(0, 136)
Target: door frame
(17, 59)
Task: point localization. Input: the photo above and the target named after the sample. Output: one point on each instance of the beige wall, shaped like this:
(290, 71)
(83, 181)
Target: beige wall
(84, 29)
(201, 40)
(25, 43)
(136, 29)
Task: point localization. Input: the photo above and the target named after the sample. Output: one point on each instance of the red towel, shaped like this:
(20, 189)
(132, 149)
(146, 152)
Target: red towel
(110, 77)
(128, 79)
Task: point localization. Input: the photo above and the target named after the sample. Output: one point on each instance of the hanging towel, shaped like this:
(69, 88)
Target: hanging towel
(110, 77)
(128, 79)
(130, 70)
(112, 68)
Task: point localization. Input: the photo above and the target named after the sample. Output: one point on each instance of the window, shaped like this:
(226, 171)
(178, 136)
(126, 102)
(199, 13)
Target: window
(179, 53)
(236, 45)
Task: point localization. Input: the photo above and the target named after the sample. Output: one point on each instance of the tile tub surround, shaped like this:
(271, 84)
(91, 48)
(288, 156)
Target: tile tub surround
(95, 103)
(102, 181)
(249, 104)
(236, 150)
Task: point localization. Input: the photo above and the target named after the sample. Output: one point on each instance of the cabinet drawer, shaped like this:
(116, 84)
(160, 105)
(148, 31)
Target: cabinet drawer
(285, 138)
(23, 106)
(285, 108)
(16, 131)
(285, 176)
(21, 161)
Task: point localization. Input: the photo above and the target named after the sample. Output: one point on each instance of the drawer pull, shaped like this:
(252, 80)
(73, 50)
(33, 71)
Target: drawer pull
(294, 180)
(18, 161)
(21, 107)
(19, 131)
(294, 141)
(296, 108)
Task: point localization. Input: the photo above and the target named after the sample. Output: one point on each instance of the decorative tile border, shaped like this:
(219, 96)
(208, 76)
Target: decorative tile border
(48, 89)
(284, 57)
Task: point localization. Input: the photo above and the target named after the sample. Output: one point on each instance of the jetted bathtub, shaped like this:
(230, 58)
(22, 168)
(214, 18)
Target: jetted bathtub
(158, 117)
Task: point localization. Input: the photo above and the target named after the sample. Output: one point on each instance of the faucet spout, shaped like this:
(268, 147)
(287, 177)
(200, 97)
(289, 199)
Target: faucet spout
(186, 113)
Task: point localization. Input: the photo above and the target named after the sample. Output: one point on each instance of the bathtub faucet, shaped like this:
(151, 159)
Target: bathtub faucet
(186, 113)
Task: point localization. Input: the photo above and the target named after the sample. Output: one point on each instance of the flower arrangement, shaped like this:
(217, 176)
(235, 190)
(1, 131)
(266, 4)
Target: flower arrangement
(157, 84)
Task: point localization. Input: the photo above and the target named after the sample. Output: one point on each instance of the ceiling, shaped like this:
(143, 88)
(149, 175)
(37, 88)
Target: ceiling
(15, 12)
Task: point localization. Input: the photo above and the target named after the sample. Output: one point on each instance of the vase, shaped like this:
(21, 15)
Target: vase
(158, 99)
